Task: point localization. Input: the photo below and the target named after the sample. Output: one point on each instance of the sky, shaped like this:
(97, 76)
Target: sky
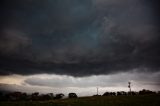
(78, 45)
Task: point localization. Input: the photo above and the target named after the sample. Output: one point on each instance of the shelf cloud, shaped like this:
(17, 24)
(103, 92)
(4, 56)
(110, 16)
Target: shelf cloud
(79, 37)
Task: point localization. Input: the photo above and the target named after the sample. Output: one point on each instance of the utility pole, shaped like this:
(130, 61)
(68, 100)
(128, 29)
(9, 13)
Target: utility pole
(97, 91)
(129, 86)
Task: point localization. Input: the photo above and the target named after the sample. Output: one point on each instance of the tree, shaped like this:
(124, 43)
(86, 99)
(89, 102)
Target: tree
(72, 95)
(35, 96)
(146, 92)
(59, 96)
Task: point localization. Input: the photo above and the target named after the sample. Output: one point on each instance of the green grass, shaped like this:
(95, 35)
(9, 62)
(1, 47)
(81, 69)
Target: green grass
(150, 100)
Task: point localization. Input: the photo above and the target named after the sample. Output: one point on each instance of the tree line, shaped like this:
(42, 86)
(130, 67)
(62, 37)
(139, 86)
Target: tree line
(133, 93)
(36, 96)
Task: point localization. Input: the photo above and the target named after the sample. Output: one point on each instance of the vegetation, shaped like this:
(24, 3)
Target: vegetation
(72, 95)
(140, 100)
(121, 98)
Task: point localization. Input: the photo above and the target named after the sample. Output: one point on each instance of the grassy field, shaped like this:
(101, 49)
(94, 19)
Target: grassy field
(150, 100)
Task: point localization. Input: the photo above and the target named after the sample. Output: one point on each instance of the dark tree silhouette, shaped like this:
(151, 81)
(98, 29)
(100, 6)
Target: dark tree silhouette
(72, 95)
(121, 93)
(106, 94)
(59, 96)
(109, 94)
(35, 96)
(146, 92)
(19, 96)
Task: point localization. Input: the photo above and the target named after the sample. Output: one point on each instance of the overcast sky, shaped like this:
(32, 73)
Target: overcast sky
(77, 45)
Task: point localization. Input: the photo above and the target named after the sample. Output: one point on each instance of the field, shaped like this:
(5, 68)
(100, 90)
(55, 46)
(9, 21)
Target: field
(149, 100)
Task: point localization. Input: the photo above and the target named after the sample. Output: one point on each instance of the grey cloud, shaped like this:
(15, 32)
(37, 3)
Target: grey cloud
(27, 89)
(45, 83)
(114, 80)
(13, 41)
(79, 37)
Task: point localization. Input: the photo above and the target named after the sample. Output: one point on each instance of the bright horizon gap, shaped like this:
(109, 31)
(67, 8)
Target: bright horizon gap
(45, 83)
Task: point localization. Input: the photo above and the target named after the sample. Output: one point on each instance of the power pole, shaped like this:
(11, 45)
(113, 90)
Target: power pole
(97, 91)
(129, 86)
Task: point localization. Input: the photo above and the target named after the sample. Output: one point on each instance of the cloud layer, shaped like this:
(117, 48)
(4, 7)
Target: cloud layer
(78, 37)
(46, 83)
(116, 80)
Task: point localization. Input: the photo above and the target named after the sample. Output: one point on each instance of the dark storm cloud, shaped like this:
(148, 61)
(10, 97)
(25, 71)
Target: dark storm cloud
(78, 37)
